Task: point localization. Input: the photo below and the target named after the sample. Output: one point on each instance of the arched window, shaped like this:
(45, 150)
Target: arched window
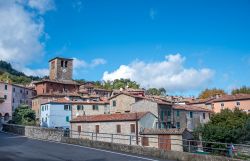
(6, 117)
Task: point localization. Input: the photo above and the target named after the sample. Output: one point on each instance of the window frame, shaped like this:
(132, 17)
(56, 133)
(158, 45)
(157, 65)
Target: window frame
(132, 128)
(191, 114)
(118, 129)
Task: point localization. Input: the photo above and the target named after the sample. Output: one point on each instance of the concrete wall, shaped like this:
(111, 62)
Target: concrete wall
(54, 115)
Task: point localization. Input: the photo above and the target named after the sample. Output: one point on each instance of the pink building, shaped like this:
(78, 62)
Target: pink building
(11, 96)
(242, 101)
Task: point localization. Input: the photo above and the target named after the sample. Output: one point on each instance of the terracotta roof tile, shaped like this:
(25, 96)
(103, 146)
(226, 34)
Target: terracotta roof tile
(190, 108)
(110, 117)
(201, 101)
(233, 97)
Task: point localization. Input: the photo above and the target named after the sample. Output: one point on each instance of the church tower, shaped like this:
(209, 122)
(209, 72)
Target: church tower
(61, 68)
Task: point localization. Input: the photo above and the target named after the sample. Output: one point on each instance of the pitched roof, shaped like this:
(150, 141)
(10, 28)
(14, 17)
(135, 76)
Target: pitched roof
(127, 94)
(68, 101)
(233, 97)
(68, 82)
(163, 131)
(110, 117)
(201, 101)
(60, 58)
(190, 108)
(57, 95)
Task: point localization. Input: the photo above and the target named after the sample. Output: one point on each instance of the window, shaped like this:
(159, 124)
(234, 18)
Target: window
(5, 97)
(132, 128)
(13, 100)
(168, 125)
(61, 63)
(145, 141)
(95, 107)
(177, 113)
(178, 125)
(45, 119)
(169, 113)
(27, 92)
(118, 128)
(79, 129)
(191, 114)
(21, 91)
(238, 103)
(6, 87)
(222, 104)
(204, 115)
(114, 103)
(79, 107)
(42, 108)
(67, 107)
(42, 119)
(14, 89)
(67, 118)
(66, 63)
(162, 115)
(96, 128)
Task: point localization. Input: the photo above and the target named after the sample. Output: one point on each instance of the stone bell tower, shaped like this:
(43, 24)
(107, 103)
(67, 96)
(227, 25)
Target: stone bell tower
(61, 68)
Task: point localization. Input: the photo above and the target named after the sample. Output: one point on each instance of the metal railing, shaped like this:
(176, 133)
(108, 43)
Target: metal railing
(191, 146)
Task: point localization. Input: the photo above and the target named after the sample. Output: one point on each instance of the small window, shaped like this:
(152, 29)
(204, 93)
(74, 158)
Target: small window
(222, 104)
(67, 107)
(45, 119)
(13, 100)
(14, 89)
(5, 97)
(67, 118)
(61, 63)
(79, 107)
(169, 113)
(204, 115)
(42, 120)
(118, 128)
(145, 141)
(6, 87)
(132, 128)
(238, 103)
(191, 114)
(66, 64)
(178, 125)
(114, 103)
(97, 129)
(21, 91)
(79, 128)
(95, 107)
(177, 113)
(168, 125)
(27, 92)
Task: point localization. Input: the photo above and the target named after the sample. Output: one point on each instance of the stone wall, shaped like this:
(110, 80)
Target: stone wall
(151, 152)
(57, 135)
(34, 132)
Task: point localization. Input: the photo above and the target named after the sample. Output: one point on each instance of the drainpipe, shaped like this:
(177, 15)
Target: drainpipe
(136, 124)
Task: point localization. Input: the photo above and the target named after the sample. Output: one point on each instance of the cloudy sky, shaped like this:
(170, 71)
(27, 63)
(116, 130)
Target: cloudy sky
(179, 45)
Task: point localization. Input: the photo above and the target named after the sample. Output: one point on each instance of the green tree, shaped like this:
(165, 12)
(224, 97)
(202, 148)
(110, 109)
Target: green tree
(227, 126)
(119, 83)
(211, 93)
(24, 115)
(153, 91)
(242, 90)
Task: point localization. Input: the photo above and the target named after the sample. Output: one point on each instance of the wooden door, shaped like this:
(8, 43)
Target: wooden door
(164, 142)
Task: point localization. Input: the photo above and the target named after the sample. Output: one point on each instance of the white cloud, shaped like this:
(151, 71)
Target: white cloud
(78, 5)
(22, 30)
(78, 63)
(169, 73)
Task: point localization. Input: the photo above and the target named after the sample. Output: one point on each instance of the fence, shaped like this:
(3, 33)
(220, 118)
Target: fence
(191, 146)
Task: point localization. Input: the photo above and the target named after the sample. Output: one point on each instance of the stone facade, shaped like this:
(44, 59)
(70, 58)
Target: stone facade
(122, 103)
(61, 69)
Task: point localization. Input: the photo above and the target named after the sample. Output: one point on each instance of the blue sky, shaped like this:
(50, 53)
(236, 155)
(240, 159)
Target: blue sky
(213, 35)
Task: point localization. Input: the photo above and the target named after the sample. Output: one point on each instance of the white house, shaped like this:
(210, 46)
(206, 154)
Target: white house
(56, 114)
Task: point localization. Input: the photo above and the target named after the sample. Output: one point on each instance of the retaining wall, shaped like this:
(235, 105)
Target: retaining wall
(57, 135)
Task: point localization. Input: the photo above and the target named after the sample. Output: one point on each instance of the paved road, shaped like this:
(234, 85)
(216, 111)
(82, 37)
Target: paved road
(19, 148)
